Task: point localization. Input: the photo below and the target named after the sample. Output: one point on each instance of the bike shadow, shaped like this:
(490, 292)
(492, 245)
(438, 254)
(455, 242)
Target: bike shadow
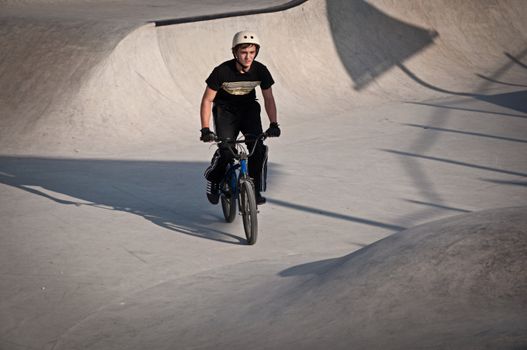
(170, 194)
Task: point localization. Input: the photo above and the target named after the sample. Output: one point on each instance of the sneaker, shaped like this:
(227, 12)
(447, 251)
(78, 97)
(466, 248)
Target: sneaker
(260, 199)
(213, 192)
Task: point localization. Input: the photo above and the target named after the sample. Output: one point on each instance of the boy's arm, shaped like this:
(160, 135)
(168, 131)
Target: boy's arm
(270, 105)
(206, 106)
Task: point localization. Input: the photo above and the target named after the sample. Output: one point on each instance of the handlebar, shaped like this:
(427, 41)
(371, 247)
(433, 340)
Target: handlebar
(229, 142)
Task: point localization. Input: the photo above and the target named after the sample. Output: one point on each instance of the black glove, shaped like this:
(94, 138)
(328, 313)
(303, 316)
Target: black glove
(207, 135)
(273, 131)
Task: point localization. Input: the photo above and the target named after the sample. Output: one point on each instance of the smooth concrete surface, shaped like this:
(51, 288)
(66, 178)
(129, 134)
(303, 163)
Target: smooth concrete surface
(410, 290)
(394, 115)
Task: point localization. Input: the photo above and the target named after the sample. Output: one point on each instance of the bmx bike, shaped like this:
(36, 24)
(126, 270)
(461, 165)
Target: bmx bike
(237, 187)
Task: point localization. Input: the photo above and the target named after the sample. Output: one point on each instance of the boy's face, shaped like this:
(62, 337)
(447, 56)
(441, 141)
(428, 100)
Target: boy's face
(246, 55)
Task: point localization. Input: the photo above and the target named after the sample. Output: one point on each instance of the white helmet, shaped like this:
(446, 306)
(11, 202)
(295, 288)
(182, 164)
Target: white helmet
(245, 37)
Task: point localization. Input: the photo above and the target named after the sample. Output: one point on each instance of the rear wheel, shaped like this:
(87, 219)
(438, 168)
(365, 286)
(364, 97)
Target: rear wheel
(248, 210)
(228, 199)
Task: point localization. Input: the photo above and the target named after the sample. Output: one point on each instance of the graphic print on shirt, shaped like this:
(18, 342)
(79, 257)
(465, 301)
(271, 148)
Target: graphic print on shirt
(239, 88)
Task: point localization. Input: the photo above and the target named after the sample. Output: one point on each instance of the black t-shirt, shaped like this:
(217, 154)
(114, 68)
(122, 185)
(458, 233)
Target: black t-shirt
(234, 87)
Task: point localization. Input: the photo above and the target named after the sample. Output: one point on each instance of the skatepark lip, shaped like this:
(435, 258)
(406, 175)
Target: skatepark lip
(159, 12)
(276, 8)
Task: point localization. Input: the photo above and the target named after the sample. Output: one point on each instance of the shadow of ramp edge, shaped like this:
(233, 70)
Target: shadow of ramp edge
(169, 194)
(370, 42)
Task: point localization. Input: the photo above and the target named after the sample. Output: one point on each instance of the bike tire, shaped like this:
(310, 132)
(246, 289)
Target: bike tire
(228, 201)
(249, 211)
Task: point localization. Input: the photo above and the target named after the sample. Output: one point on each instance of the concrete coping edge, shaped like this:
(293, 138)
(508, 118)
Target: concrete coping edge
(277, 8)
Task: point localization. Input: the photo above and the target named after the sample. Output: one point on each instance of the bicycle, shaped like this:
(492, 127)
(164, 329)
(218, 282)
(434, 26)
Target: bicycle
(238, 187)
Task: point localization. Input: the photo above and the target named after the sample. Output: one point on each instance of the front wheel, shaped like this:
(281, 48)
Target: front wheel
(248, 210)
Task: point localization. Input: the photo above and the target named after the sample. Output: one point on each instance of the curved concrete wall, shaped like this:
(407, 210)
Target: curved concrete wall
(68, 84)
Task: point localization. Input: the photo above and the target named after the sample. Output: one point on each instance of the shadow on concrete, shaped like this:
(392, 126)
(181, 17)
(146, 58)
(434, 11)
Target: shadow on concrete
(370, 42)
(168, 194)
(417, 172)
(312, 268)
(467, 133)
(503, 182)
(318, 211)
(455, 162)
(439, 206)
(479, 111)
(491, 80)
(513, 100)
(517, 60)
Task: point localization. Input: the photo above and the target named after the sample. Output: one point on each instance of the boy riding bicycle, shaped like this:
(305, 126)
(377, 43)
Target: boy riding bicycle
(230, 96)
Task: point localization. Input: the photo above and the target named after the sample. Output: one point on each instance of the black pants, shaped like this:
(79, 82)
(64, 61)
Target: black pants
(229, 121)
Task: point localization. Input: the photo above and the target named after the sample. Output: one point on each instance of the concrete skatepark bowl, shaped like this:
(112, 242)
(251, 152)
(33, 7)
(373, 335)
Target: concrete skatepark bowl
(397, 195)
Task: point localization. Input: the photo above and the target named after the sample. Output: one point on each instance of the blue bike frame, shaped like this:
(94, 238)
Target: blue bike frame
(233, 175)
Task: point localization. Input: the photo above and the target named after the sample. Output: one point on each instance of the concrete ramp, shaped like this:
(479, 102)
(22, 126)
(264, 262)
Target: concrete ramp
(394, 114)
(456, 283)
(96, 87)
